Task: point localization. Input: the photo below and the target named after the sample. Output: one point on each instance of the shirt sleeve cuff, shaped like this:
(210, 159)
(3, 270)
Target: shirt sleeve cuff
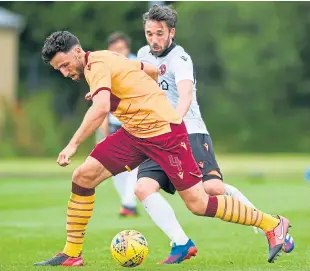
(99, 89)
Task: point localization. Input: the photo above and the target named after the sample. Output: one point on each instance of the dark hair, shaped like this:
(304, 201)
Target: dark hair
(117, 36)
(162, 13)
(60, 41)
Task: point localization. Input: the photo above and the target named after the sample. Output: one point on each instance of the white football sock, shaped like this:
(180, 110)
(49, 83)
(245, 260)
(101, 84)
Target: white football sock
(119, 181)
(164, 217)
(235, 193)
(129, 199)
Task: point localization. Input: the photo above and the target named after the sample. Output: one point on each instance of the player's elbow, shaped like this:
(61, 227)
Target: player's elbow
(150, 70)
(187, 97)
(102, 108)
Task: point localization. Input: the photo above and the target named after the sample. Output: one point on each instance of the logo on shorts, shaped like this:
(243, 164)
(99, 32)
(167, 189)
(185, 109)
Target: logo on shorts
(196, 175)
(206, 146)
(181, 174)
(175, 162)
(183, 145)
(162, 69)
(201, 164)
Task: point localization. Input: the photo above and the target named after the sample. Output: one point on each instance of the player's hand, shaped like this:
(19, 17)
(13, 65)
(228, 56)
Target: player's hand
(88, 96)
(64, 156)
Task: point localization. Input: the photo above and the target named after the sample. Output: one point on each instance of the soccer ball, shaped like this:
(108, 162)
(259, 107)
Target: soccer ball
(129, 248)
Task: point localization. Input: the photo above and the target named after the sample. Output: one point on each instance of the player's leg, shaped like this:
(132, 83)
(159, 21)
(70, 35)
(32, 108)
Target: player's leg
(107, 158)
(150, 179)
(79, 211)
(124, 184)
(232, 210)
(129, 200)
(204, 154)
(173, 153)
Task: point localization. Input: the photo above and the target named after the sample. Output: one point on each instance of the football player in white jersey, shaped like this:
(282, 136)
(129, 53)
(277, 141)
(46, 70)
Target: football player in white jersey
(125, 181)
(177, 79)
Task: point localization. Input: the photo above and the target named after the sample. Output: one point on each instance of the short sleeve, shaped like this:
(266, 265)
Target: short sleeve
(98, 76)
(182, 67)
(137, 63)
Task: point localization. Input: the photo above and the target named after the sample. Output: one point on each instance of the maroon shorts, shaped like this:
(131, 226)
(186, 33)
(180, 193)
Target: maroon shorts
(122, 151)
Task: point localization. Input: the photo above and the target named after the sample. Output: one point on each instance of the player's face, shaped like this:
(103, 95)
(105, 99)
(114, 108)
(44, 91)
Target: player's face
(120, 47)
(70, 64)
(158, 36)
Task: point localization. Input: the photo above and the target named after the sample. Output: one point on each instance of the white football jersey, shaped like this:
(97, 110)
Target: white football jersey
(174, 66)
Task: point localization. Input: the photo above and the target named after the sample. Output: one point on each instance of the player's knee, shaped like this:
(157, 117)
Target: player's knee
(81, 177)
(145, 187)
(214, 187)
(197, 207)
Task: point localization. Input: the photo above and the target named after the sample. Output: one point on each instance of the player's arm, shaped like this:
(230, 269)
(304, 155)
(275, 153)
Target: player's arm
(184, 78)
(185, 89)
(93, 118)
(99, 79)
(105, 127)
(149, 69)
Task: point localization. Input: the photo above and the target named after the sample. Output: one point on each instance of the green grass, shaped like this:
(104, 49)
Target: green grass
(33, 213)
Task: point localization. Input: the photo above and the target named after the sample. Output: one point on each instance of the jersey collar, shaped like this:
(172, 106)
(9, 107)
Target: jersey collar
(86, 56)
(168, 50)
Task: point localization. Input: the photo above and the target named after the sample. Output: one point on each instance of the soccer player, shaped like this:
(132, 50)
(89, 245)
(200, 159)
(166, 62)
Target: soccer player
(124, 182)
(177, 80)
(127, 89)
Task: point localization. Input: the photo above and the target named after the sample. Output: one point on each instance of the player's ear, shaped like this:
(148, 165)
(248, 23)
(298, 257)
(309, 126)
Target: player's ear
(172, 32)
(77, 49)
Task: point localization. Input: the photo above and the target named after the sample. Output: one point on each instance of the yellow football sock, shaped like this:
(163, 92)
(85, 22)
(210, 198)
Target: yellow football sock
(79, 212)
(232, 210)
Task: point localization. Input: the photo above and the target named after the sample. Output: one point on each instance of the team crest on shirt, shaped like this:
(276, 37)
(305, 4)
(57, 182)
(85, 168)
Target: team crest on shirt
(162, 69)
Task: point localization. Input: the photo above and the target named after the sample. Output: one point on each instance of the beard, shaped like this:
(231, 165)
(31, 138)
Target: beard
(167, 42)
(79, 74)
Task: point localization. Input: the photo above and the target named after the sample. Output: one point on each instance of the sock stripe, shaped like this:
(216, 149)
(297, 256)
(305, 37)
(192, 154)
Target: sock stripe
(232, 210)
(212, 206)
(76, 223)
(82, 191)
(76, 243)
(245, 216)
(82, 202)
(225, 208)
(78, 216)
(261, 219)
(70, 231)
(257, 216)
(72, 236)
(77, 209)
(238, 212)
(251, 217)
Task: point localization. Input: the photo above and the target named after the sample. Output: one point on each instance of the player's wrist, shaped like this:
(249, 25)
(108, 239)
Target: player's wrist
(73, 144)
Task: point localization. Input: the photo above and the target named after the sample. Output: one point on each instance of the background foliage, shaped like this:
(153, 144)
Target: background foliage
(252, 61)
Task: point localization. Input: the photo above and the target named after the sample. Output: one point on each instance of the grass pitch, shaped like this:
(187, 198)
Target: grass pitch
(34, 195)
